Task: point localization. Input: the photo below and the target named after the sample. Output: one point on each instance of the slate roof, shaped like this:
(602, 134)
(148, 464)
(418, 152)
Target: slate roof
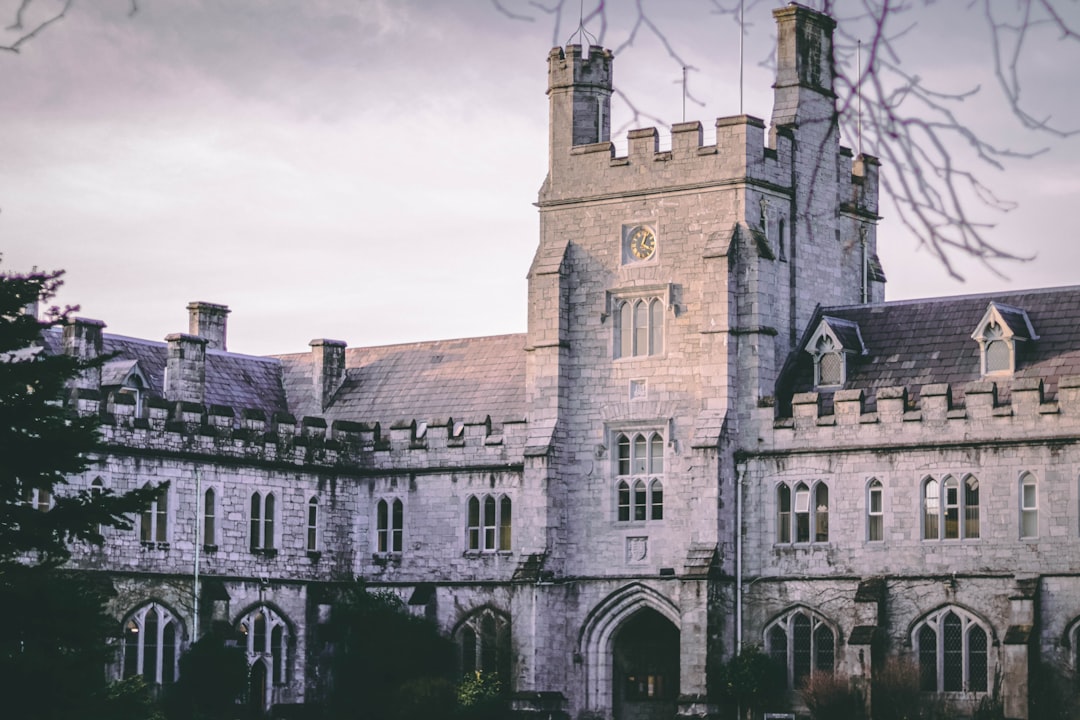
(239, 381)
(919, 342)
(466, 379)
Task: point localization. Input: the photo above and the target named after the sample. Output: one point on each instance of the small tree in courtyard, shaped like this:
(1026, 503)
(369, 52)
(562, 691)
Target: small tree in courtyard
(747, 681)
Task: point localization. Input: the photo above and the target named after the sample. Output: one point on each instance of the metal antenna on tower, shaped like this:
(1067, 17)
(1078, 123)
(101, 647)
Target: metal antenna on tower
(858, 93)
(581, 33)
(742, 32)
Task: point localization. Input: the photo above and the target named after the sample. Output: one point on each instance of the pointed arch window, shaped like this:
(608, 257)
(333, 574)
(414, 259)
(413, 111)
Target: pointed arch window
(950, 508)
(875, 511)
(154, 520)
(952, 647)
(801, 642)
(264, 636)
(150, 645)
(312, 543)
(263, 511)
(639, 327)
(1029, 506)
(802, 512)
(209, 529)
(484, 638)
(390, 525)
(489, 524)
(639, 472)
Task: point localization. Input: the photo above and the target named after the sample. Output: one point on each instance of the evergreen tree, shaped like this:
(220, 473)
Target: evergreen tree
(54, 630)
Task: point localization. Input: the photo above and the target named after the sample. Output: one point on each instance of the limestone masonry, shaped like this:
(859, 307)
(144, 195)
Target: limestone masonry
(714, 432)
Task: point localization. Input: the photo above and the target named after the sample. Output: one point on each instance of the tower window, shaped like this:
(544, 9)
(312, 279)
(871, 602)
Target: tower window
(639, 485)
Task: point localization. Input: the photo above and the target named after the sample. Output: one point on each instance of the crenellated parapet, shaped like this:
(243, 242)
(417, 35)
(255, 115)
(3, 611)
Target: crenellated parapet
(980, 412)
(225, 433)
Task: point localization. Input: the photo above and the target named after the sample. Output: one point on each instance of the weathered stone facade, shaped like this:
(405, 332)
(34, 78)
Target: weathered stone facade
(598, 507)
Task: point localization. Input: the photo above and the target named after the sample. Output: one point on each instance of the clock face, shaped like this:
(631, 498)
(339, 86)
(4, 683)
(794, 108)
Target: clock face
(642, 243)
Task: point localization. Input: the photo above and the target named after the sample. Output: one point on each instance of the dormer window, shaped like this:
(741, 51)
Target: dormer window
(828, 364)
(998, 333)
(832, 342)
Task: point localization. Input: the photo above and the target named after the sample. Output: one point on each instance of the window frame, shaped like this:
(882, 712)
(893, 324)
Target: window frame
(935, 522)
(277, 663)
(389, 526)
(790, 656)
(489, 523)
(154, 526)
(1026, 511)
(134, 626)
(262, 522)
(639, 321)
(208, 517)
(944, 658)
(804, 522)
(875, 519)
(311, 536)
(638, 467)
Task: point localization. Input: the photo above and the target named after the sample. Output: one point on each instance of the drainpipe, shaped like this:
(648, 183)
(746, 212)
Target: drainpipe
(198, 544)
(740, 472)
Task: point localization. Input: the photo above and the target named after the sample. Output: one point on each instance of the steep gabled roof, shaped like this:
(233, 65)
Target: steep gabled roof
(467, 379)
(913, 343)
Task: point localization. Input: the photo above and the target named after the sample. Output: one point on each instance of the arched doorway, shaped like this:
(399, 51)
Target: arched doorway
(645, 667)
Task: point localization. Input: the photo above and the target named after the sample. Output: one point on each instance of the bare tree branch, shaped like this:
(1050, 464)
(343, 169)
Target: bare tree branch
(37, 29)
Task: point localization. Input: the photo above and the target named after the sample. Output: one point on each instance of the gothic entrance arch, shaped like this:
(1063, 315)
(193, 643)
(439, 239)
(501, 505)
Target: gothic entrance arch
(630, 644)
(645, 667)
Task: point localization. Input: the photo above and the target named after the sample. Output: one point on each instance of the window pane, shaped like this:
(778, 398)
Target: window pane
(624, 501)
(656, 327)
(624, 455)
(487, 644)
(830, 368)
(639, 500)
(954, 654)
(277, 649)
(504, 524)
(259, 634)
(657, 501)
(209, 531)
(875, 529)
(489, 523)
(997, 356)
(131, 649)
(976, 659)
(971, 508)
(800, 648)
(626, 333)
(474, 524)
(821, 513)
(168, 653)
(313, 524)
(952, 508)
(927, 659)
(150, 646)
(256, 522)
(783, 514)
(640, 455)
(468, 651)
(398, 526)
(824, 649)
(930, 510)
(382, 523)
(268, 522)
(641, 328)
(778, 646)
(656, 454)
(162, 518)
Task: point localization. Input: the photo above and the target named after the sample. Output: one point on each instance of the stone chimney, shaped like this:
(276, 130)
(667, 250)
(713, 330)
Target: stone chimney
(185, 368)
(327, 369)
(82, 340)
(207, 320)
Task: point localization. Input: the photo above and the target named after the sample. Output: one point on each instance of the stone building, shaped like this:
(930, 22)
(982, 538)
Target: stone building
(713, 432)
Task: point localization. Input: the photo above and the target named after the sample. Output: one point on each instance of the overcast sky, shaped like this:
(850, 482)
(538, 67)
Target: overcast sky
(365, 170)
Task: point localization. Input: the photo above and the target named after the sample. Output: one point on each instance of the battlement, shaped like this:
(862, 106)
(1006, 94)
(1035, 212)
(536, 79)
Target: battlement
(570, 66)
(247, 435)
(981, 412)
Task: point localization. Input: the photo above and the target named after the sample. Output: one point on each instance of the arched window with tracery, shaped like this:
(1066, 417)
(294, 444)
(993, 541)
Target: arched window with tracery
(952, 646)
(264, 636)
(484, 638)
(639, 471)
(489, 523)
(639, 327)
(801, 642)
(150, 644)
